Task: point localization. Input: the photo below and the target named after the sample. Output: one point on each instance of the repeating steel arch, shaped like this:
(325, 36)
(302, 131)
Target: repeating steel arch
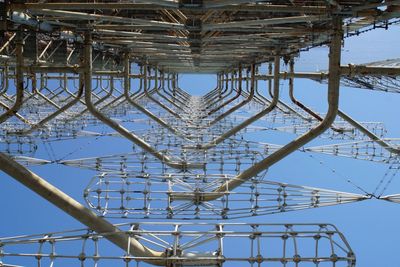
(78, 72)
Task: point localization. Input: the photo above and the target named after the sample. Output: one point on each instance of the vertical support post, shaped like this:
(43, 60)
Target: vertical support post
(65, 202)
(269, 80)
(333, 104)
(127, 71)
(19, 80)
(114, 125)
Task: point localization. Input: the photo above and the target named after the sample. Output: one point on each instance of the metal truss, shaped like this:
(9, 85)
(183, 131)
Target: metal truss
(190, 244)
(185, 196)
(85, 70)
(363, 150)
(380, 82)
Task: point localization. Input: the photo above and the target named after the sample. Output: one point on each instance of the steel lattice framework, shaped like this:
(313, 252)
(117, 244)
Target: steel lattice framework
(84, 70)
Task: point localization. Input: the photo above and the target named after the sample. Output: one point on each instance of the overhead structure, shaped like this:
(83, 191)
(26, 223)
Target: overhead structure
(106, 72)
(324, 244)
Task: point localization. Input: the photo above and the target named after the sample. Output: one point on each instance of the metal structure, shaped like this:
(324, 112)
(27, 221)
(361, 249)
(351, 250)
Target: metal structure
(85, 70)
(179, 239)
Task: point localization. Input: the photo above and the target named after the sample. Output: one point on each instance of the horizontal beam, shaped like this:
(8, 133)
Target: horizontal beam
(263, 22)
(352, 70)
(60, 14)
(159, 5)
(147, 5)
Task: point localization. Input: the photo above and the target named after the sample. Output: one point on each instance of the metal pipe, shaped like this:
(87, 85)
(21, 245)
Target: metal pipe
(217, 90)
(4, 80)
(176, 95)
(157, 91)
(285, 75)
(139, 107)
(368, 133)
(75, 209)
(333, 102)
(149, 95)
(99, 101)
(349, 70)
(174, 5)
(58, 112)
(124, 20)
(218, 93)
(19, 80)
(238, 94)
(282, 106)
(242, 103)
(263, 22)
(300, 104)
(225, 93)
(114, 125)
(254, 118)
(138, 5)
(352, 70)
(175, 86)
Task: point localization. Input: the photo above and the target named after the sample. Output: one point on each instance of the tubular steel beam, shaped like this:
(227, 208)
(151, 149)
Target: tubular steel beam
(333, 101)
(368, 133)
(114, 125)
(138, 106)
(254, 118)
(77, 210)
(264, 22)
(160, 5)
(88, 16)
(145, 5)
(242, 103)
(19, 81)
(352, 70)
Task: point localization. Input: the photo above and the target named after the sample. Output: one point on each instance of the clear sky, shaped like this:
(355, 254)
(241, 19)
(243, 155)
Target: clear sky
(371, 227)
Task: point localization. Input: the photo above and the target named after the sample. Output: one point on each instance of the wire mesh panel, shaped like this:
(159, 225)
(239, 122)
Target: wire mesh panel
(189, 244)
(185, 196)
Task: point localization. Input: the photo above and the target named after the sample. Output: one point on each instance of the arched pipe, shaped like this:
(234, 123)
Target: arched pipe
(58, 112)
(252, 119)
(333, 105)
(225, 93)
(145, 111)
(116, 126)
(300, 104)
(242, 103)
(175, 95)
(158, 92)
(149, 94)
(341, 114)
(236, 96)
(217, 91)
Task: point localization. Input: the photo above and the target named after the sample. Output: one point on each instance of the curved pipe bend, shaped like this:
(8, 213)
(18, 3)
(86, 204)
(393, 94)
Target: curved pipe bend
(222, 94)
(301, 105)
(236, 96)
(242, 103)
(158, 88)
(148, 94)
(252, 119)
(148, 113)
(333, 102)
(116, 126)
